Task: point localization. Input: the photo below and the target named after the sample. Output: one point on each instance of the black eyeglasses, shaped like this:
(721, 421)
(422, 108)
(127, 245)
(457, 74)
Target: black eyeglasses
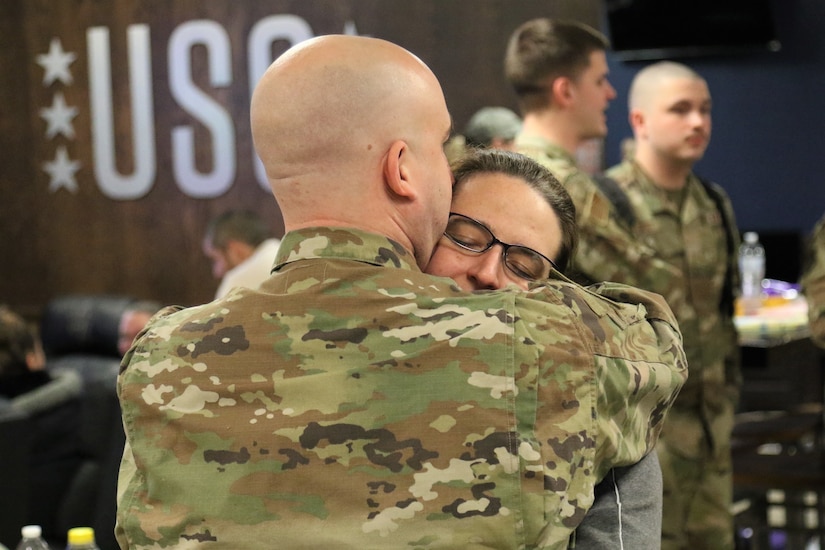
(474, 236)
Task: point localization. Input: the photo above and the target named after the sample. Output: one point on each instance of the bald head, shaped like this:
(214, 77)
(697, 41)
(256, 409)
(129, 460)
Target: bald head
(325, 118)
(670, 113)
(647, 82)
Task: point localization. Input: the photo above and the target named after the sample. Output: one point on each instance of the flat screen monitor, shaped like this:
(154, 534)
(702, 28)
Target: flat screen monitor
(668, 29)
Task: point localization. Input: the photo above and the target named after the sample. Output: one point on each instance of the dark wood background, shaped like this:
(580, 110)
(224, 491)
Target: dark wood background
(54, 243)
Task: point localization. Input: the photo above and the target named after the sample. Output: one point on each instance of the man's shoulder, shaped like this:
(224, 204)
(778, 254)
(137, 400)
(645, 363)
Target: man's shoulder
(560, 167)
(621, 172)
(550, 155)
(628, 177)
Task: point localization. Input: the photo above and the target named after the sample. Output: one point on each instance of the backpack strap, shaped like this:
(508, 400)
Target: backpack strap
(617, 197)
(714, 191)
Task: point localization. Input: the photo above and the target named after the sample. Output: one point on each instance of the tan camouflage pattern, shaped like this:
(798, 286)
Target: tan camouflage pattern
(680, 251)
(593, 209)
(813, 284)
(355, 402)
(677, 248)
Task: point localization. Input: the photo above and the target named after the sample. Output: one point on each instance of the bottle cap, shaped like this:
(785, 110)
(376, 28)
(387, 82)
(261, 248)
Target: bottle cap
(81, 535)
(31, 531)
(751, 237)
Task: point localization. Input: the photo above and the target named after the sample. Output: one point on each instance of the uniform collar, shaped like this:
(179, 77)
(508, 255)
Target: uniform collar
(338, 243)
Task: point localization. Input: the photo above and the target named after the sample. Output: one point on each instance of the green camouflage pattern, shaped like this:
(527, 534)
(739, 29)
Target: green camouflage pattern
(679, 249)
(687, 258)
(593, 209)
(353, 401)
(813, 283)
(676, 247)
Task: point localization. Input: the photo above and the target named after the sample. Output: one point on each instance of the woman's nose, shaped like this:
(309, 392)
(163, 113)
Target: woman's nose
(487, 272)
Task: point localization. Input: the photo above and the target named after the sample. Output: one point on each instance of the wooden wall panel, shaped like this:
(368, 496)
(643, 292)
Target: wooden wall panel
(65, 240)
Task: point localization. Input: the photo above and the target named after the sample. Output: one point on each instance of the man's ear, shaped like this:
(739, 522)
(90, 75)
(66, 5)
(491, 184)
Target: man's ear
(636, 119)
(562, 91)
(398, 170)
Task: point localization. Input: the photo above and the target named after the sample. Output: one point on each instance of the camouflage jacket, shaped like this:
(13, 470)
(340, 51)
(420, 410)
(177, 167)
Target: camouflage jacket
(813, 283)
(680, 251)
(353, 401)
(596, 215)
(592, 206)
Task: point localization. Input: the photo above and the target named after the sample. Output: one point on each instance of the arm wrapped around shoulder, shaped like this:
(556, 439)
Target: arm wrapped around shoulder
(640, 366)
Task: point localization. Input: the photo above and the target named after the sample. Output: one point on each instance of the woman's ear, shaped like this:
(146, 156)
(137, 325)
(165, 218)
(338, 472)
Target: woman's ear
(398, 170)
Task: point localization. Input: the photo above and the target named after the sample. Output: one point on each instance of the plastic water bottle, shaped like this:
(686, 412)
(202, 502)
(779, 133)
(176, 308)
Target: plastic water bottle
(82, 538)
(32, 538)
(752, 270)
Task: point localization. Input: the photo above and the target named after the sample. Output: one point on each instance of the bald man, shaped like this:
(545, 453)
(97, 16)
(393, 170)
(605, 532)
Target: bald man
(352, 401)
(683, 247)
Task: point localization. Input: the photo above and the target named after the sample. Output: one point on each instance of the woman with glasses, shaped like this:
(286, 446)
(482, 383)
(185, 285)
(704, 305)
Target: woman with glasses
(505, 199)
(513, 223)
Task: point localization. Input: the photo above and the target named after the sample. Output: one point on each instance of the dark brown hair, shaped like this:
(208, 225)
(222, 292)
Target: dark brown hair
(241, 225)
(535, 176)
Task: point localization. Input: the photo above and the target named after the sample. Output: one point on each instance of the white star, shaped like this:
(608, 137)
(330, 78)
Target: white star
(56, 63)
(59, 117)
(62, 170)
(349, 28)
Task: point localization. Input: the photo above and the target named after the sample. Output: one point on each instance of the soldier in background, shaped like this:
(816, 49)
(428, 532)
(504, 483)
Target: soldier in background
(492, 127)
(52, 402)
(489, 127)
(558, 70)
(241, 248)
(813, 283)
(352, 401)
(685, 249)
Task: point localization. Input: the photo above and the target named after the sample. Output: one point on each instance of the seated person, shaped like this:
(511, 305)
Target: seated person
(241, 248)
(93, 324)
(52, 401)
(132, 321)
(89, 333)
(539, 218)
(813, 283)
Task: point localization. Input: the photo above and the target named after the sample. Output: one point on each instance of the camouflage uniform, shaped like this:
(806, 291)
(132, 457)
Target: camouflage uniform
(354, 402)
(680, 251)
(593, 209)
(813, 283)
(682, 254)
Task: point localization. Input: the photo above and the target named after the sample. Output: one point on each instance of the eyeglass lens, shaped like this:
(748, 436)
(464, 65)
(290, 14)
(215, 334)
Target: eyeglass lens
(472, 235)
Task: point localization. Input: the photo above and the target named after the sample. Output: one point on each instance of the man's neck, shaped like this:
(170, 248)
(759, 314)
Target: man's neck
(554, 127)
(665, 173)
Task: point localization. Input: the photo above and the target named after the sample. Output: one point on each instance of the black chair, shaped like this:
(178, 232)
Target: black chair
(15, 430)
(80, 334)
(778, 447)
